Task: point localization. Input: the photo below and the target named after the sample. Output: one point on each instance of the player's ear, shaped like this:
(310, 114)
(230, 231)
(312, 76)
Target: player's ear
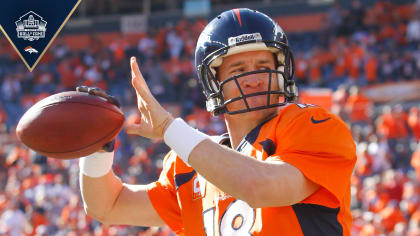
(279, 60)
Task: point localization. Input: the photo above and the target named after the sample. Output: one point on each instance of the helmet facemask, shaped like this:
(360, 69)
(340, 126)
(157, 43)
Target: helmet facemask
(286, 91)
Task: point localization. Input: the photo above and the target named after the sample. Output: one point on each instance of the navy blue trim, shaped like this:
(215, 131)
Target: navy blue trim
(181, 179)
(268, 146)
(317, 220)
(252, 136)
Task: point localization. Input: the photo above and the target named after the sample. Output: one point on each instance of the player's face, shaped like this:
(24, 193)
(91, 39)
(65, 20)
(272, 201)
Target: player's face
(246, 62)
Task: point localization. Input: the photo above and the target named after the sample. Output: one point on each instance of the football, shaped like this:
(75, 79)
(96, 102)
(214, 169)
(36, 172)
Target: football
(69, 125)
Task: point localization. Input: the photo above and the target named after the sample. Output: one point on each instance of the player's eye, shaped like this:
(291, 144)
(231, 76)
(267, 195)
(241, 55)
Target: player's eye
(264, 68)
(237, 71)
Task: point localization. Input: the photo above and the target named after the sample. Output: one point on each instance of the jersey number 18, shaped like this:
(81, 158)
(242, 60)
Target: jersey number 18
(238, 219)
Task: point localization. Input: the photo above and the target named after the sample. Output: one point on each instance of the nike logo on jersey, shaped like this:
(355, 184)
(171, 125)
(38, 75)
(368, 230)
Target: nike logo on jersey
(319, 121)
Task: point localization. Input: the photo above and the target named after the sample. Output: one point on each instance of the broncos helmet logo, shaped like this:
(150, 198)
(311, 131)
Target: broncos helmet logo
(30, 50)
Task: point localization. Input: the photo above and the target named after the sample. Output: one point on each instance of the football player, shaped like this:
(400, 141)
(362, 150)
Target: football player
(283, 168)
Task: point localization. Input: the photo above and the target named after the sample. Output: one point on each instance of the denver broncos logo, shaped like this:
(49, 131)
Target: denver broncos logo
(30, 50)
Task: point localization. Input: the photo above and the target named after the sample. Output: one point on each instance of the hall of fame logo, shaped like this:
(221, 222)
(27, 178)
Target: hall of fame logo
(31, 26)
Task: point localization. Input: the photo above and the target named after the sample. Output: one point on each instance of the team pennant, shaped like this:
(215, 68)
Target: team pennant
(31, 26)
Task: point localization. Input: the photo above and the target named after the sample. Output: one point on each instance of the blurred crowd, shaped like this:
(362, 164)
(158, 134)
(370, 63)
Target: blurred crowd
(361, 46)
(356, 48)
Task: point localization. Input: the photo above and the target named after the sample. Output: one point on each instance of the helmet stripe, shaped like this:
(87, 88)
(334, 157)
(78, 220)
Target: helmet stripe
(238, 15)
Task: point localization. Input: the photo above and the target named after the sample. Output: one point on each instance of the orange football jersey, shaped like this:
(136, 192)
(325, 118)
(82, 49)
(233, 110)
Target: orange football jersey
(316, 142)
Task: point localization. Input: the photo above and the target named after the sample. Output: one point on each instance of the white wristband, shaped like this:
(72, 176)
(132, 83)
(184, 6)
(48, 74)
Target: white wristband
(182, 138)
(96, 164)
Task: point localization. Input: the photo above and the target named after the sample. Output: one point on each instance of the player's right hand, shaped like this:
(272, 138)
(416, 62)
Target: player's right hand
(154, 118)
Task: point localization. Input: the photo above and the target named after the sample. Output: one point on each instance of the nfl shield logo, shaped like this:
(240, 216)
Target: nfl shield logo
(196, 189)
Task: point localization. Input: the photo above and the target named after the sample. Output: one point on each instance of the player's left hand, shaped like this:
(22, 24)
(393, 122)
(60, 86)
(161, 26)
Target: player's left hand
(154, 118)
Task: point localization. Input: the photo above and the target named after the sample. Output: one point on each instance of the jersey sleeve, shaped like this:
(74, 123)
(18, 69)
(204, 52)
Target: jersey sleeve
(320, 145)
(162, 194)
